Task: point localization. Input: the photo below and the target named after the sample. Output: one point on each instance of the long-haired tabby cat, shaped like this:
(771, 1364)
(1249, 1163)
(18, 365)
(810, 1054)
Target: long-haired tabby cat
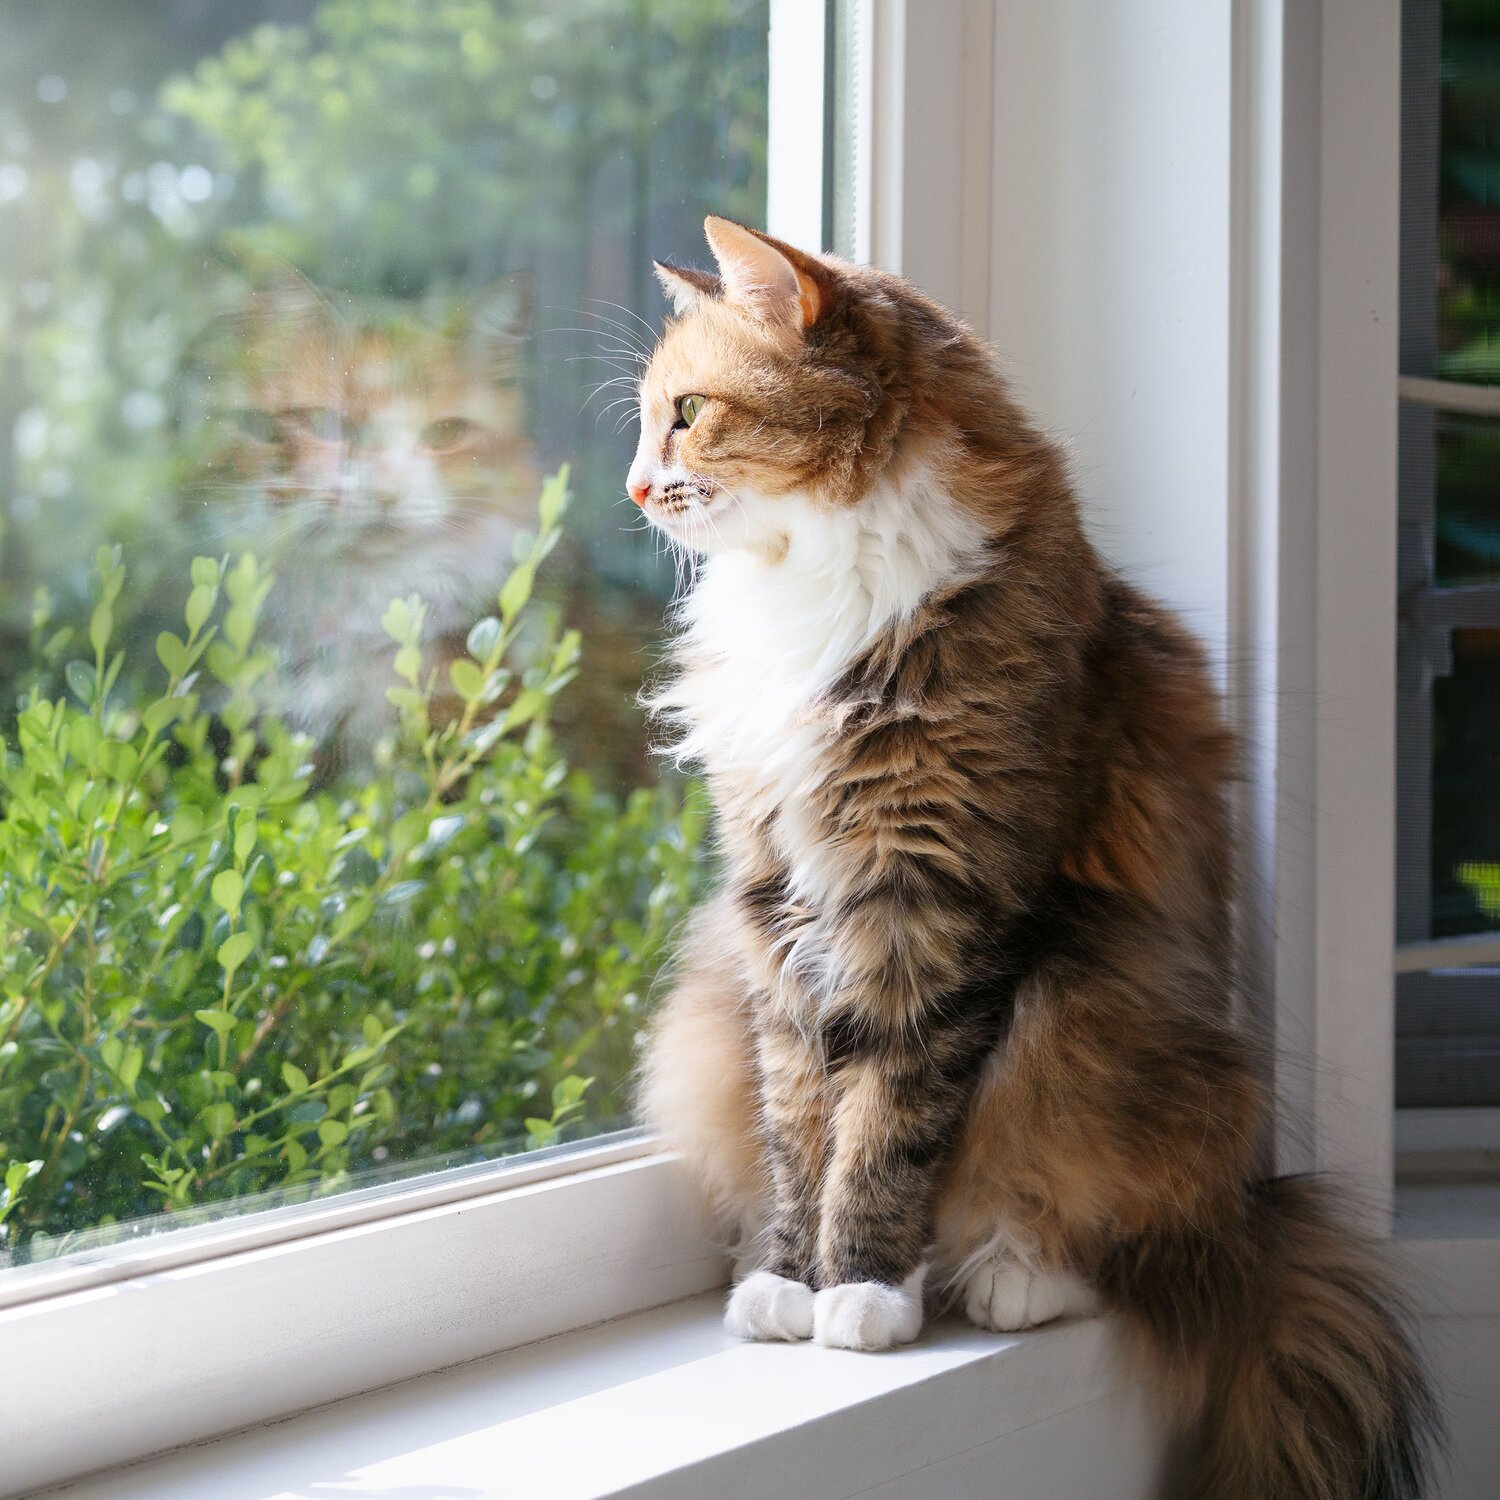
(961, 1013)
(376, 449)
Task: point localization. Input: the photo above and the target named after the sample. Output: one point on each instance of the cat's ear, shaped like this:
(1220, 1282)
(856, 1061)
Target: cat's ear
(286, 296)
(491, 323)
(772, 280)
(500, 313)
(285, 313)
(685, 288)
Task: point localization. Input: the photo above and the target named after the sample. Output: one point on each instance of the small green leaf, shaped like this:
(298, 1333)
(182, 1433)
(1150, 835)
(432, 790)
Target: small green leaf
(172, 653)
(409, 663)
(442, 829)
(200, 606)
(239, 626)
(371, 1028)
(409, 830)
(526, 707)
(101, 624)
(205, 573)
(235, 949)
(240, 581)
(483, 638)
(228, 890)
(568, 1091)
(80, 677)
(516, 592)
(156, 716)
(404, 697)
(403, 891)
(554, 499)
(118, 760)
(468, 680)
(130, 1066)
(18, 1173)
(396, 621)
(186, 825)
(220, 1022)
(244, 837)
(332, 1132)
(83, 740)
(219, 1119)
(294, 1078)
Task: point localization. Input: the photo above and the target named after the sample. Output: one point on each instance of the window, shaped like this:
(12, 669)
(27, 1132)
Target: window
(331, 849)
(1182, 235)
(1448, 700)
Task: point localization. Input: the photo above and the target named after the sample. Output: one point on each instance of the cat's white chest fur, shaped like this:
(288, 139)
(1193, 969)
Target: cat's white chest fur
(767, 635)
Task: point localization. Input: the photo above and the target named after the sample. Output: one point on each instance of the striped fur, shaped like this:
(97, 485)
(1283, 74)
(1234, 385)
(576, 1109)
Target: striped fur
(965, 1000)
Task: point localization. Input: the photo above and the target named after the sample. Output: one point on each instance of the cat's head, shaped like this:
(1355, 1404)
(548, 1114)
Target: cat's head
(366, 424)
(769, 382)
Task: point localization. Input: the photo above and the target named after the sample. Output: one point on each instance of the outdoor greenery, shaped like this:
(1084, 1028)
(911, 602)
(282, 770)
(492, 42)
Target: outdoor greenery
(217, 979)
(227, 967)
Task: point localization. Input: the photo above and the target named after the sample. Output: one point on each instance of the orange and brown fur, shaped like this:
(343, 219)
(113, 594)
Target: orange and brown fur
(965, 1000)
(374, 450)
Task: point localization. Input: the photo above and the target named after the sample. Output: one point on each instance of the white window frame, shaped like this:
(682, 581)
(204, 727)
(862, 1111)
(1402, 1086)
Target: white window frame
(1246, 475)
(1220, 339)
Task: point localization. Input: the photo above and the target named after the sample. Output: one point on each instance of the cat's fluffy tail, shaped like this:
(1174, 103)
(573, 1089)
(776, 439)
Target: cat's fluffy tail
(1283, 1351)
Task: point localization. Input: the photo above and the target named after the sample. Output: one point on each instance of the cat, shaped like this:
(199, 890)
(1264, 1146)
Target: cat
(960, 1018)
(373, 450)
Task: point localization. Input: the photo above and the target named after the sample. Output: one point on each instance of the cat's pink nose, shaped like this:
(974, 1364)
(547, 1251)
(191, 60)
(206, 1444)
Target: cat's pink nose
(638, 489)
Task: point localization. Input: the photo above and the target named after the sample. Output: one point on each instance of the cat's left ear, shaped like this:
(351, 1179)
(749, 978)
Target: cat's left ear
(685, 288)
(498, 315)
(775, 281)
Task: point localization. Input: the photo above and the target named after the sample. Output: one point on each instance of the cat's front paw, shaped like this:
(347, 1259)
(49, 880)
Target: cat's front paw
(868, 1314)
(767, 1306)
(1004, 1296)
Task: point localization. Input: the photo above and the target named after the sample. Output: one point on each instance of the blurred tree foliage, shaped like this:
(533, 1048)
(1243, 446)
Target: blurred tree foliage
(154, 153)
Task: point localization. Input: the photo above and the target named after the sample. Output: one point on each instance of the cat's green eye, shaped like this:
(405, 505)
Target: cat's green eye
(259, 426)
(326, 423)
(448, 433)
(688, 408)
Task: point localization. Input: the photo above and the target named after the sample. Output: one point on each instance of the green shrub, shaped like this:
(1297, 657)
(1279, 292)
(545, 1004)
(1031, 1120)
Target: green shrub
(218, 979)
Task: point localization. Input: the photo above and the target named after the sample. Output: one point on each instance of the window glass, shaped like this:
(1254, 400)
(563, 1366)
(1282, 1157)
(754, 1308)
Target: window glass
(330, 840)
(1468, 272)
(1467, 534)
(1448, 739)
(1466, 788)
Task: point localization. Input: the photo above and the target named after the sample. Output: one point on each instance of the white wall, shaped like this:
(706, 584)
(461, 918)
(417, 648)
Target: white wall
(1115, 321)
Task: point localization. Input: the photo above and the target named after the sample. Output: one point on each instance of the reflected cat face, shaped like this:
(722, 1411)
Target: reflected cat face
(366, 427)
(365, 451)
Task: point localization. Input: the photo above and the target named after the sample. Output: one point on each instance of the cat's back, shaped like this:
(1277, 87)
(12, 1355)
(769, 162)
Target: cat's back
(1154, 759)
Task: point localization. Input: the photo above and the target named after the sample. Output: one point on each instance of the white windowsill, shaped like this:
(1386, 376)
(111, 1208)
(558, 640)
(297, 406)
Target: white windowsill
(182, 1338)
(664, 1404)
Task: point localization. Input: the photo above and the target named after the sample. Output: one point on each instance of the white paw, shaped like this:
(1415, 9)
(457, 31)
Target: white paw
(767, 1306)
(869, 1314)
(1003, 1295)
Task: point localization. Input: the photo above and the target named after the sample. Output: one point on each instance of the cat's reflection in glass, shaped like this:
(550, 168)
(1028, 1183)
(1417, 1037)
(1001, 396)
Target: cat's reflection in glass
(366, 449)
